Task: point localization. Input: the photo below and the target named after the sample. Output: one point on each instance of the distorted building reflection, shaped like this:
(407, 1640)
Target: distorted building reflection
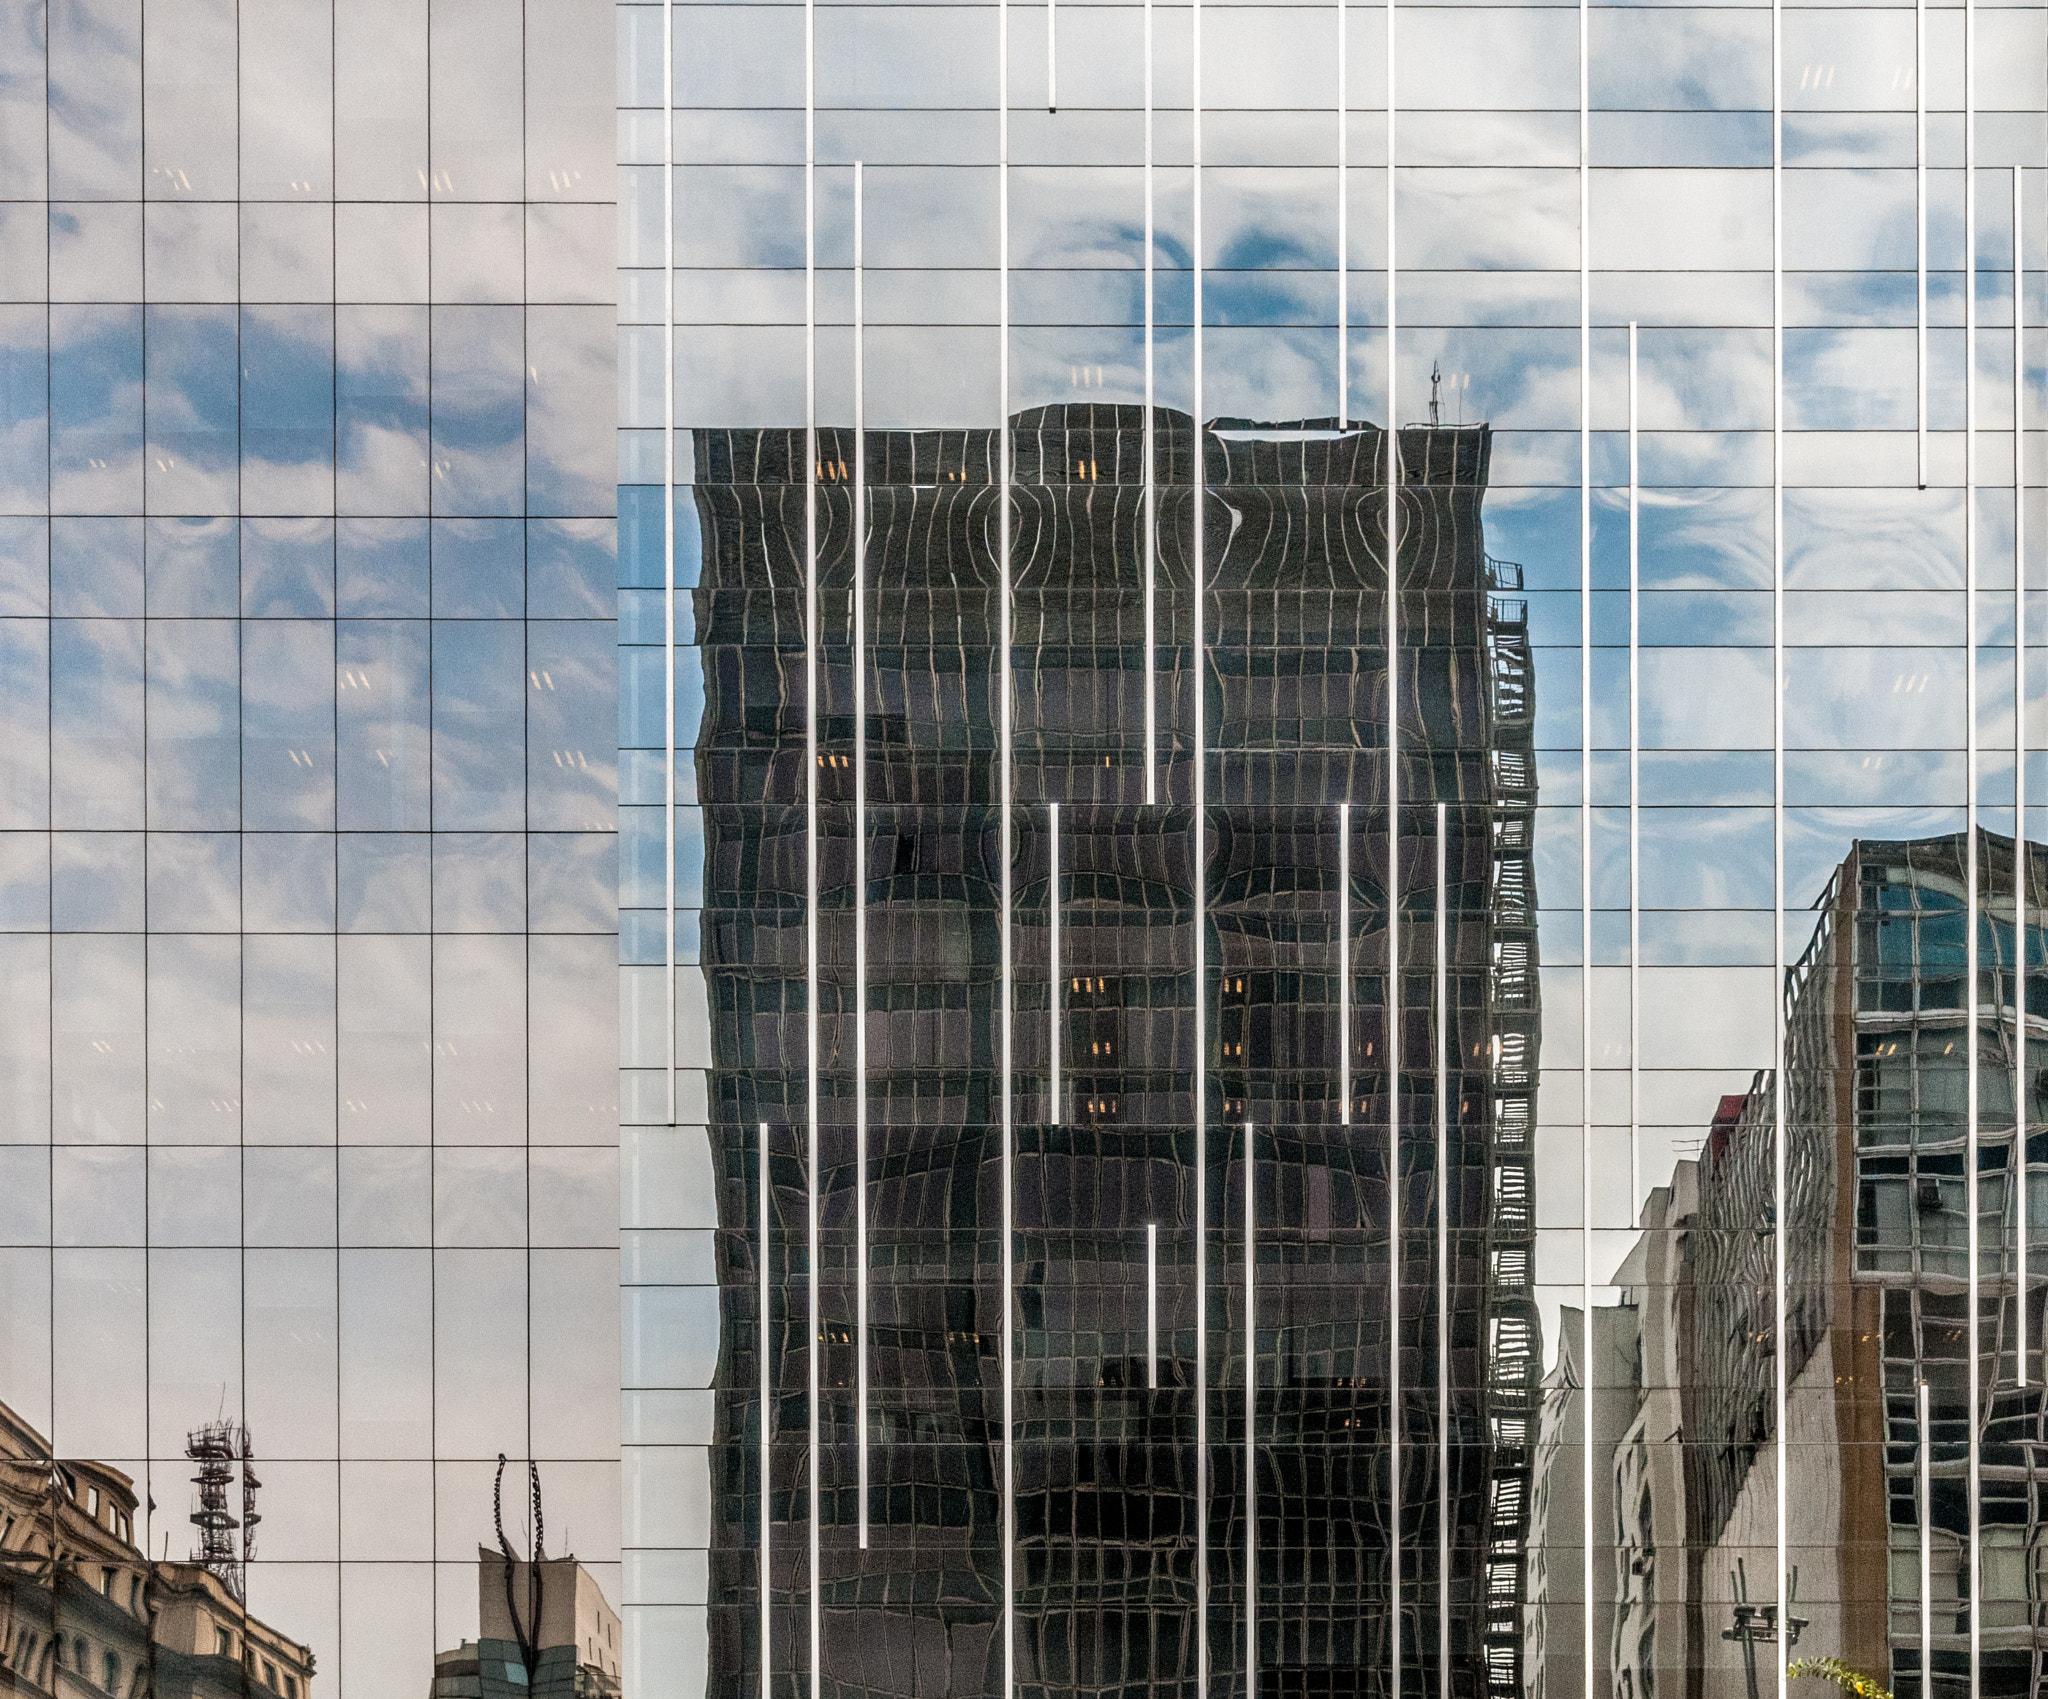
(544, 1631)
(1557, 1629)
(1877, 1293)
(1295, 702)
(85, 1611)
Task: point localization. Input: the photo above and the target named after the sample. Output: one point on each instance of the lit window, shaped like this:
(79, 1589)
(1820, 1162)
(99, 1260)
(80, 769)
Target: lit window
(92, 1502)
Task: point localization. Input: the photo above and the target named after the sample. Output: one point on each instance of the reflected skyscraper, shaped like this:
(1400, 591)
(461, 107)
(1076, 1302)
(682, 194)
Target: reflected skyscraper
(1113, 1040)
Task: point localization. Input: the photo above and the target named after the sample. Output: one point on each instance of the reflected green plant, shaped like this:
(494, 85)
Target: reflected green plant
(1833, 1669)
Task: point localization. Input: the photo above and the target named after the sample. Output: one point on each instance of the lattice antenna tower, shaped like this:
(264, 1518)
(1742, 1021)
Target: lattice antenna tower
(217, 1448)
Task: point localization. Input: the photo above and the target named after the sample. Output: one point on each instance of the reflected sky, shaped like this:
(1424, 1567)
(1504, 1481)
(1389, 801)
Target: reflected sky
(334, 788)
(307, 840)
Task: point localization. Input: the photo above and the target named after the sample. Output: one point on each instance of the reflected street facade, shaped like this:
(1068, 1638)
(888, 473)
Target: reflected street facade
(1071, 845)
(1880, 1410)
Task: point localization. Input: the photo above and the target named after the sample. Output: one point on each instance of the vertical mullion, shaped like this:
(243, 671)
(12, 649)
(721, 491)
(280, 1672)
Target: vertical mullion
(1635, 762)
(2020, 856)
(1920, 230)
(1052, 909)
(817, 1320)
(1004, 991)
(1391, 470)
(1251, 1409)
(811, 671)
(668, 538)
(1779, 1087)
(809, 764)
(1443, 1255)
(1343, 219)
(859, 545)
(1973, 906)
(1588, 1375)
(767, 1458)
(1344, 963)
(1151, 493)
(1198, 488)
(1052, 57)
(1926, 1547)
(1152, 1306)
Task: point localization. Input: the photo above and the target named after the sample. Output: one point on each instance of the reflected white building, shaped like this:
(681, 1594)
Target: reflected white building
(1876, 1292)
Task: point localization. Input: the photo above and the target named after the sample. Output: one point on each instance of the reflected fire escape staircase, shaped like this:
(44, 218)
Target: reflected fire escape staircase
(1514, 1022)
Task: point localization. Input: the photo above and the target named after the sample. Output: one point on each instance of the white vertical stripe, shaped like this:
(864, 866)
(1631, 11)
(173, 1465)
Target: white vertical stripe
(2017, 1172)
(811, 684)
(1586, 841)
(1009, 1156)
(767, 1408)
(1152, 1306)
(668, 536)
(1151, 488)
(1251, 1412)
(1052, 909)
(1343, 217)
(1198, 474)
(1391, 469)
(1971, 913)
(1920, 229)
(860, 844)
(1779, 1085)
(1443, 1254)
(1926, 1508)
(1344, 963)
(1052, 56)
(1635, 765)
(816, 1366)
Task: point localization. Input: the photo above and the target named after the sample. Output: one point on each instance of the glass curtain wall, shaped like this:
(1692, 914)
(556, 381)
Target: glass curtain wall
(1566, 1031)
(307, 654)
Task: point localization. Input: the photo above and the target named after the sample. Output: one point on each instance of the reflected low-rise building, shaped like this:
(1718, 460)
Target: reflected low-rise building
(1559, 1634)
(86, 1614)
(1877, 1288)
(553, 1611)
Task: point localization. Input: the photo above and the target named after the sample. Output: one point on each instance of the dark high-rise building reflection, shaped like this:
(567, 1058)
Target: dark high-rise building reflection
(1295, 704)
(1877, 1293)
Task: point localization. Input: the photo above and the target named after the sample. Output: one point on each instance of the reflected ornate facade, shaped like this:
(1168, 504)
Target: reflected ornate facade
(84, 1610)
(1107, 1504)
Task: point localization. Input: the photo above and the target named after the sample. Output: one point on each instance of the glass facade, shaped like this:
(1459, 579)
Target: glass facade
(308, 1131)
(1206, 826)
(1118, 921)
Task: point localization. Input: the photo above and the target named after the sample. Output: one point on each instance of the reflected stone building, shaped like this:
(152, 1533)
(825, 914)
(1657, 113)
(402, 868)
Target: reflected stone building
(85, 1612)
(1877, 1302)
(1109, 1059)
